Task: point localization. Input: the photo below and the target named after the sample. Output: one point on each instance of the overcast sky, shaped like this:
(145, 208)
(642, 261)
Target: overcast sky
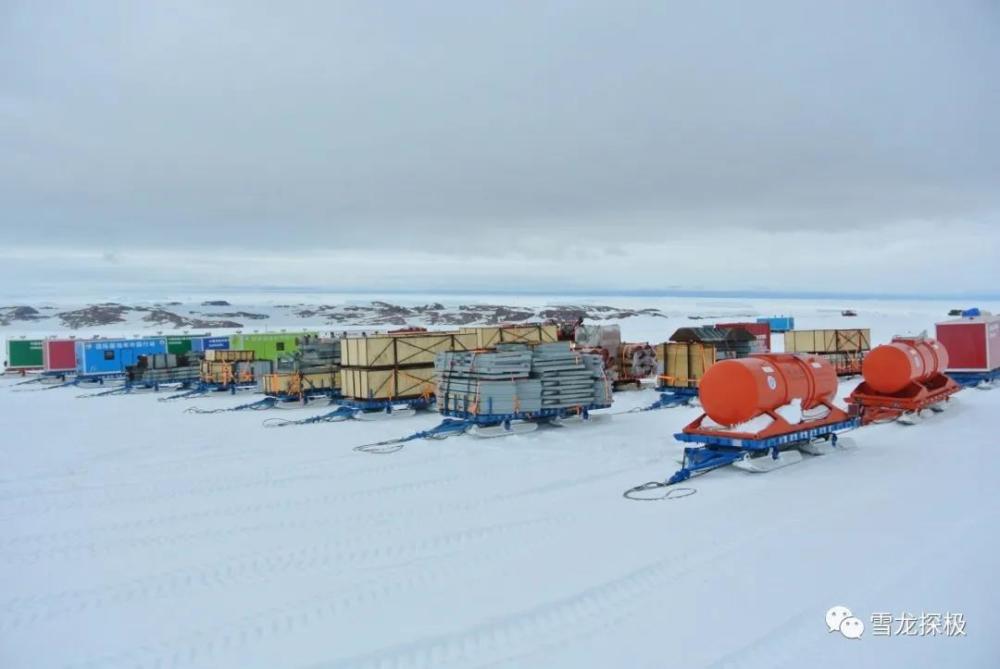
(448, 144)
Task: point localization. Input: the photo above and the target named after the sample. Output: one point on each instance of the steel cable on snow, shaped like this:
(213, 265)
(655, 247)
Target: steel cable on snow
(671, 494)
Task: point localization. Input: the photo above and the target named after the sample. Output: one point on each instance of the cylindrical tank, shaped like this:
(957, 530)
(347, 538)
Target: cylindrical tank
(737, 390)
(891, 367)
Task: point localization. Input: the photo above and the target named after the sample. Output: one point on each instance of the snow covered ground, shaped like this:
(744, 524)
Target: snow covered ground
(133, 534)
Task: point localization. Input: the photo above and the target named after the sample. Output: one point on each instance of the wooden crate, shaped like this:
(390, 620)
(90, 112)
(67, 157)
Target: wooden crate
(828, 341)
(293, 383)
(490, 336)
(226, 372)
(854, 341)
(402, 350)
(227, 355)
(800, 341)
(383, 384)
(685, 362)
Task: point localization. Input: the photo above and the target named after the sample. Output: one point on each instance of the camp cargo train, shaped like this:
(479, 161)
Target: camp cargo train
(102, 357)
(24, 354)
(59, 355)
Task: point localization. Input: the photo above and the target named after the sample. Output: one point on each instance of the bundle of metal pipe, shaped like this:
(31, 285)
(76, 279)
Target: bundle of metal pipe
(520, 379)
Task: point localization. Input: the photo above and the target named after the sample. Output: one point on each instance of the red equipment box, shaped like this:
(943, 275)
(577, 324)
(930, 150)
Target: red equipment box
(59, 355)
(973, 344)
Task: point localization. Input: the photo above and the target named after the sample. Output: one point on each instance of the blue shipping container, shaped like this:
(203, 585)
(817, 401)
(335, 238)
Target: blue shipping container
(779, 323)
(98, 357)
(210, 344)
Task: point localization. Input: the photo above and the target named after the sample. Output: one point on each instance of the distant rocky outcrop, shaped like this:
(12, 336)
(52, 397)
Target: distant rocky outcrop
(376, 314)
(9, 315)
(238, 314)
(94, 315)
(161, 317)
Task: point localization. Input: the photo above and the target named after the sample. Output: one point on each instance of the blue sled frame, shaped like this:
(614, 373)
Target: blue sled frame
(718, 451)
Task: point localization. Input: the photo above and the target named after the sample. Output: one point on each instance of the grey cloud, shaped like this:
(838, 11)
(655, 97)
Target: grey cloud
(445, 126)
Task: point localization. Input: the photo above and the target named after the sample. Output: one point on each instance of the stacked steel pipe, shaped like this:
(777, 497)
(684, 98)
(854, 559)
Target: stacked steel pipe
(520, 379)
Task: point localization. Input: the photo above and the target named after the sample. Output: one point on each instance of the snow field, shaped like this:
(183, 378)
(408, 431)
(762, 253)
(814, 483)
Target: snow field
(135, 535)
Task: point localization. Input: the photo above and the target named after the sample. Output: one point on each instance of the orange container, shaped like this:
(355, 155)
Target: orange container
(737, 390)
(891, 367)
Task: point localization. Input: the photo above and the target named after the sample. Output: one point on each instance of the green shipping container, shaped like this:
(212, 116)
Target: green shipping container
(24, 354)
(182, 343)
(269, 346)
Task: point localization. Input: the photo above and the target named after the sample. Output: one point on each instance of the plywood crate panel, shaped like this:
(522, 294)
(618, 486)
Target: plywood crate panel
(228, 355)
(382, 351)
(490, 336)
(293, 382)
(383, 384)
(686, 362)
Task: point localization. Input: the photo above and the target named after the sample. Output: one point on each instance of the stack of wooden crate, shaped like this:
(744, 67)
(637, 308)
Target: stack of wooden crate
(395, 366)
(230, 366)
(684, 363)
(313, 367)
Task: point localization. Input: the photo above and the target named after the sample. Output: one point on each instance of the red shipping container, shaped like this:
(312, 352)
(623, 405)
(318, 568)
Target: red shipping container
(973, 344)
(59, 355)
(762, 331)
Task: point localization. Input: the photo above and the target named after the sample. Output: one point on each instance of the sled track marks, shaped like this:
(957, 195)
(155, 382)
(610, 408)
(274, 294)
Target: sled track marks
(209, 646)
(520, 634)
(168, 489)
(512, 638)
(336, 556)
(123, 535)
(142, 533)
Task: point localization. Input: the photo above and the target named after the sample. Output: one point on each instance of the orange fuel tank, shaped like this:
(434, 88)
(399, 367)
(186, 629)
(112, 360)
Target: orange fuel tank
(891, 367)
(737, 390)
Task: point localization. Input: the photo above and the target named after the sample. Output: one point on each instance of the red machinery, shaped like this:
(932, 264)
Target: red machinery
(902, 378)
